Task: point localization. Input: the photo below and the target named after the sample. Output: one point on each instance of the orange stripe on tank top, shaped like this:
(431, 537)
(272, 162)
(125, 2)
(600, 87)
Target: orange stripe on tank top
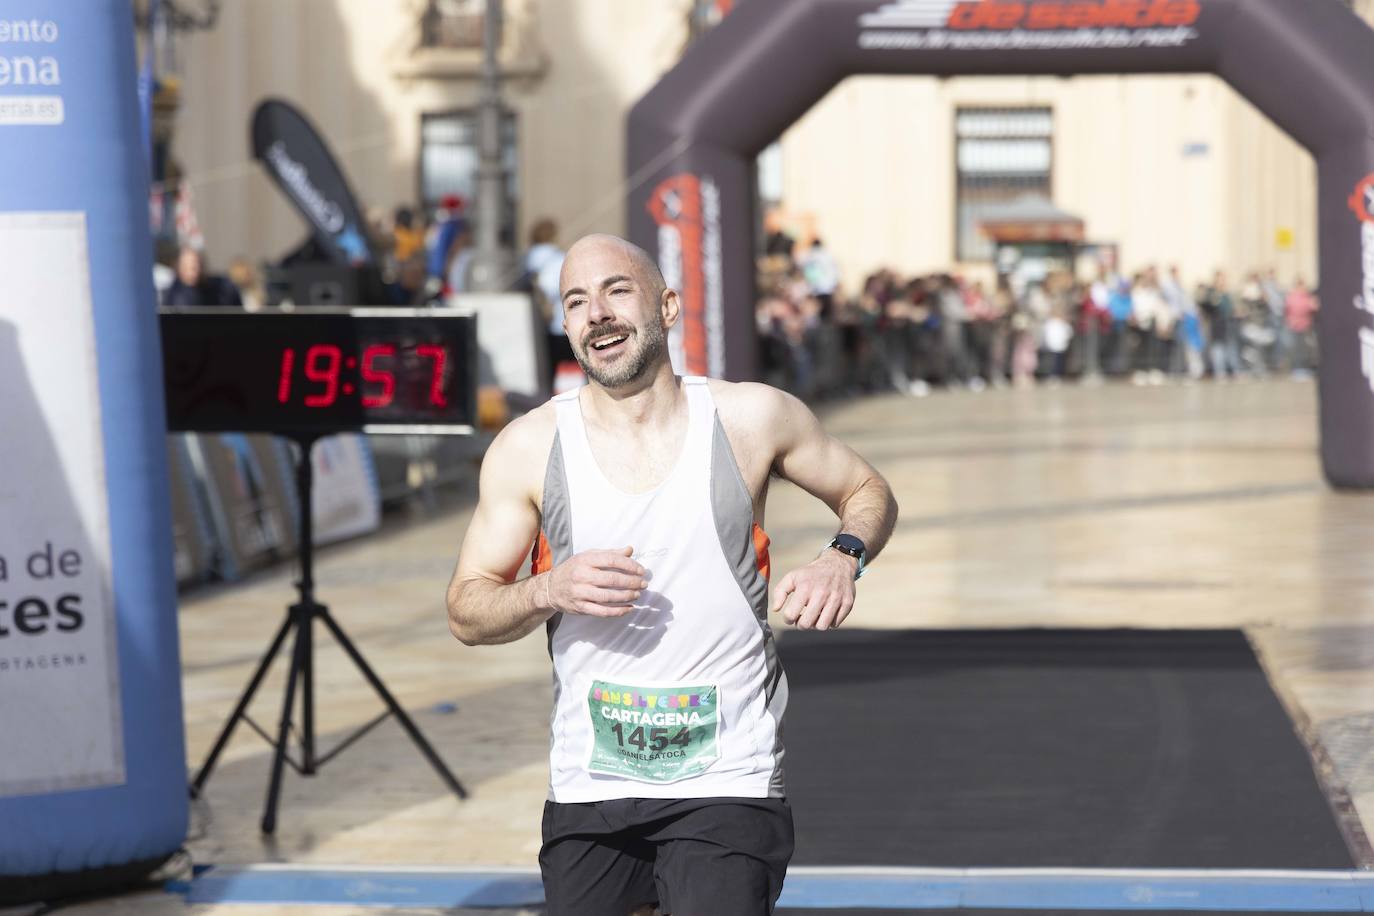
(541, 557)
(761, 543)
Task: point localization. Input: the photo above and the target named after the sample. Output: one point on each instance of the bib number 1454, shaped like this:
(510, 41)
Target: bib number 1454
(658, 738)
(653, 734)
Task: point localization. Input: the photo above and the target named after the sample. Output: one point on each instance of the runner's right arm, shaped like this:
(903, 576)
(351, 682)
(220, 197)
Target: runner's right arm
(486, 605)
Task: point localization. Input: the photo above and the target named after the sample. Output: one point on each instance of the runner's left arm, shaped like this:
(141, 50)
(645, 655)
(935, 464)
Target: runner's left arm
(820, 594)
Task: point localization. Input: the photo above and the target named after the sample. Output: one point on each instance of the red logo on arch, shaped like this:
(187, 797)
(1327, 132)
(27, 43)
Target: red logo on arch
(997, 15)
(675, 203)
(1362, 201)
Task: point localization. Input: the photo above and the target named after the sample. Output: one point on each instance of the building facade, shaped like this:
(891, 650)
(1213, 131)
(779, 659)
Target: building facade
(393, 88)
(1169, 169)
(889, 170)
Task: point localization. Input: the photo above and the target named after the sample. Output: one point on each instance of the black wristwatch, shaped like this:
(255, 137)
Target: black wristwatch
(849, 545)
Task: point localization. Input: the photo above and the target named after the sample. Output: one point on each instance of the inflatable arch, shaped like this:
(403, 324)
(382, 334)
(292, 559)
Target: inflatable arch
(1305, 63)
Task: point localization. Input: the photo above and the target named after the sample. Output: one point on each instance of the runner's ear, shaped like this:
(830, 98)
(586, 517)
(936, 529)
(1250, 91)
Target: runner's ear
(670, 307)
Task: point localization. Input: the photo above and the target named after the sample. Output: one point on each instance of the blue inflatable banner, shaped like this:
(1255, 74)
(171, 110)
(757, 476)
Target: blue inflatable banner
(92, 763)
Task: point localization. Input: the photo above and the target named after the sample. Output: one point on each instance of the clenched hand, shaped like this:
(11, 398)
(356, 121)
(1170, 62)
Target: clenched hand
(597, 583)
(820, 594)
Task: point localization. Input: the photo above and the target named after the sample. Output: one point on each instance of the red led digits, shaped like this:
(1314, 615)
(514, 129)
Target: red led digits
(288, 359)
(323, 364)
(382, 377)
(329, 375)
(436, 389)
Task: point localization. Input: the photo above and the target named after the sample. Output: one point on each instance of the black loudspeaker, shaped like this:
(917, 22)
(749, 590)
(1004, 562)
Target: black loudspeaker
(328, 284)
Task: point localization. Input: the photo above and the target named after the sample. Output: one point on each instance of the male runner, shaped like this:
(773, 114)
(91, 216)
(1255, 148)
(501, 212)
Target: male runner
(643, 495)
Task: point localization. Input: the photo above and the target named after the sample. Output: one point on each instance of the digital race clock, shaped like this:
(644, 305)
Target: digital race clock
(320, 371)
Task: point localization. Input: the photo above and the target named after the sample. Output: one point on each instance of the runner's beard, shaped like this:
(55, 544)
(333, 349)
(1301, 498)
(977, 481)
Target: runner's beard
(644, 348)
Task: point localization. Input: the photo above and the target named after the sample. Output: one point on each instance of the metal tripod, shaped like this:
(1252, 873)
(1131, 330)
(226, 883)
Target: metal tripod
(300, 618)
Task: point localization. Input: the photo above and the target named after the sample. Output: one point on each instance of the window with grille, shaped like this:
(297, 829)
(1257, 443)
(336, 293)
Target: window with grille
(452, 23)
(449, 157)
(1001, 154)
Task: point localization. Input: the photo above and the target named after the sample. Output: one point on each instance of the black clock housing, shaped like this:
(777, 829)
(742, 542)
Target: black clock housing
(314, 371)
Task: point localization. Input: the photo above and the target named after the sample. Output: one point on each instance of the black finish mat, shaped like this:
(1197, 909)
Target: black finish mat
(1043, 748)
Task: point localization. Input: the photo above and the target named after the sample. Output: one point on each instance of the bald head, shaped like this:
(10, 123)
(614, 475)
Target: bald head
(614, 299)
(613, 248)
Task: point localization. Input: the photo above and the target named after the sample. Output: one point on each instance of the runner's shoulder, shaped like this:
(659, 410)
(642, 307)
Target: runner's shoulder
(752, 403)
(522, 447)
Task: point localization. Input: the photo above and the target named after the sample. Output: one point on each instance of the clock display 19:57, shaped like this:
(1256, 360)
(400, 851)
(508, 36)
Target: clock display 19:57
(323, 368)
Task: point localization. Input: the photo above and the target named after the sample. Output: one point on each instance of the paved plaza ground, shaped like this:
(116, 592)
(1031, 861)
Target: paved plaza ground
(1180, 506)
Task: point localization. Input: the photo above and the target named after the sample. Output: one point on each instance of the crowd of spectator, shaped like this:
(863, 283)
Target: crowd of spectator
(419, 258)
(912, 334)
(820, 338)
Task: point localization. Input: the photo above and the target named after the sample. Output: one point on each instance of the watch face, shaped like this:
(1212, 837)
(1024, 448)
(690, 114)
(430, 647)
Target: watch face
(850, 544)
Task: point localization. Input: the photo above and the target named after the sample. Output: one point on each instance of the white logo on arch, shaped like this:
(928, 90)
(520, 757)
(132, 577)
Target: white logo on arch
(909, 14)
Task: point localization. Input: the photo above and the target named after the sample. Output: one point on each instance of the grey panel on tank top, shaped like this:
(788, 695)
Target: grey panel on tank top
(557, 517)
(732, 507)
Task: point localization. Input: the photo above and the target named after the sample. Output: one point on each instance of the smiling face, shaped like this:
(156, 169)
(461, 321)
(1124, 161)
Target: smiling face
(616, 311)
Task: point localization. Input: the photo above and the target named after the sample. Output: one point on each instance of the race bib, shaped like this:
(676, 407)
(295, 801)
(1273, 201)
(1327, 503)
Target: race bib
(653, 734)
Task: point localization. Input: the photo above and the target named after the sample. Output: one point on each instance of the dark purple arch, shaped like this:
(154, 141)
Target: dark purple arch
(1307, 64)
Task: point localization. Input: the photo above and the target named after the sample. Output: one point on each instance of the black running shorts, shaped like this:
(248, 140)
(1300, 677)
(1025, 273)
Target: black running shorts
(691, 856)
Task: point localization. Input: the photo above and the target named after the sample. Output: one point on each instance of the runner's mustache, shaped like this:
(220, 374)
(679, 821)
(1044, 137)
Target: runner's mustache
(602, 333)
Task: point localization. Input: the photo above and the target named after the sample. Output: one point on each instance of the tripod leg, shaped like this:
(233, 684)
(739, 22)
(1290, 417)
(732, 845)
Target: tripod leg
(199, 784)
(307, 692)
(269, 814)
(395, 707)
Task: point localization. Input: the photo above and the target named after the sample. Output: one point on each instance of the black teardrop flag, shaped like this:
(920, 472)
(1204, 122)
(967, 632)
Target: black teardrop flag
(300, 163)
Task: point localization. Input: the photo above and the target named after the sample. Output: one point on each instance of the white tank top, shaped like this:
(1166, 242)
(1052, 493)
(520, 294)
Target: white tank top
(684, 696)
